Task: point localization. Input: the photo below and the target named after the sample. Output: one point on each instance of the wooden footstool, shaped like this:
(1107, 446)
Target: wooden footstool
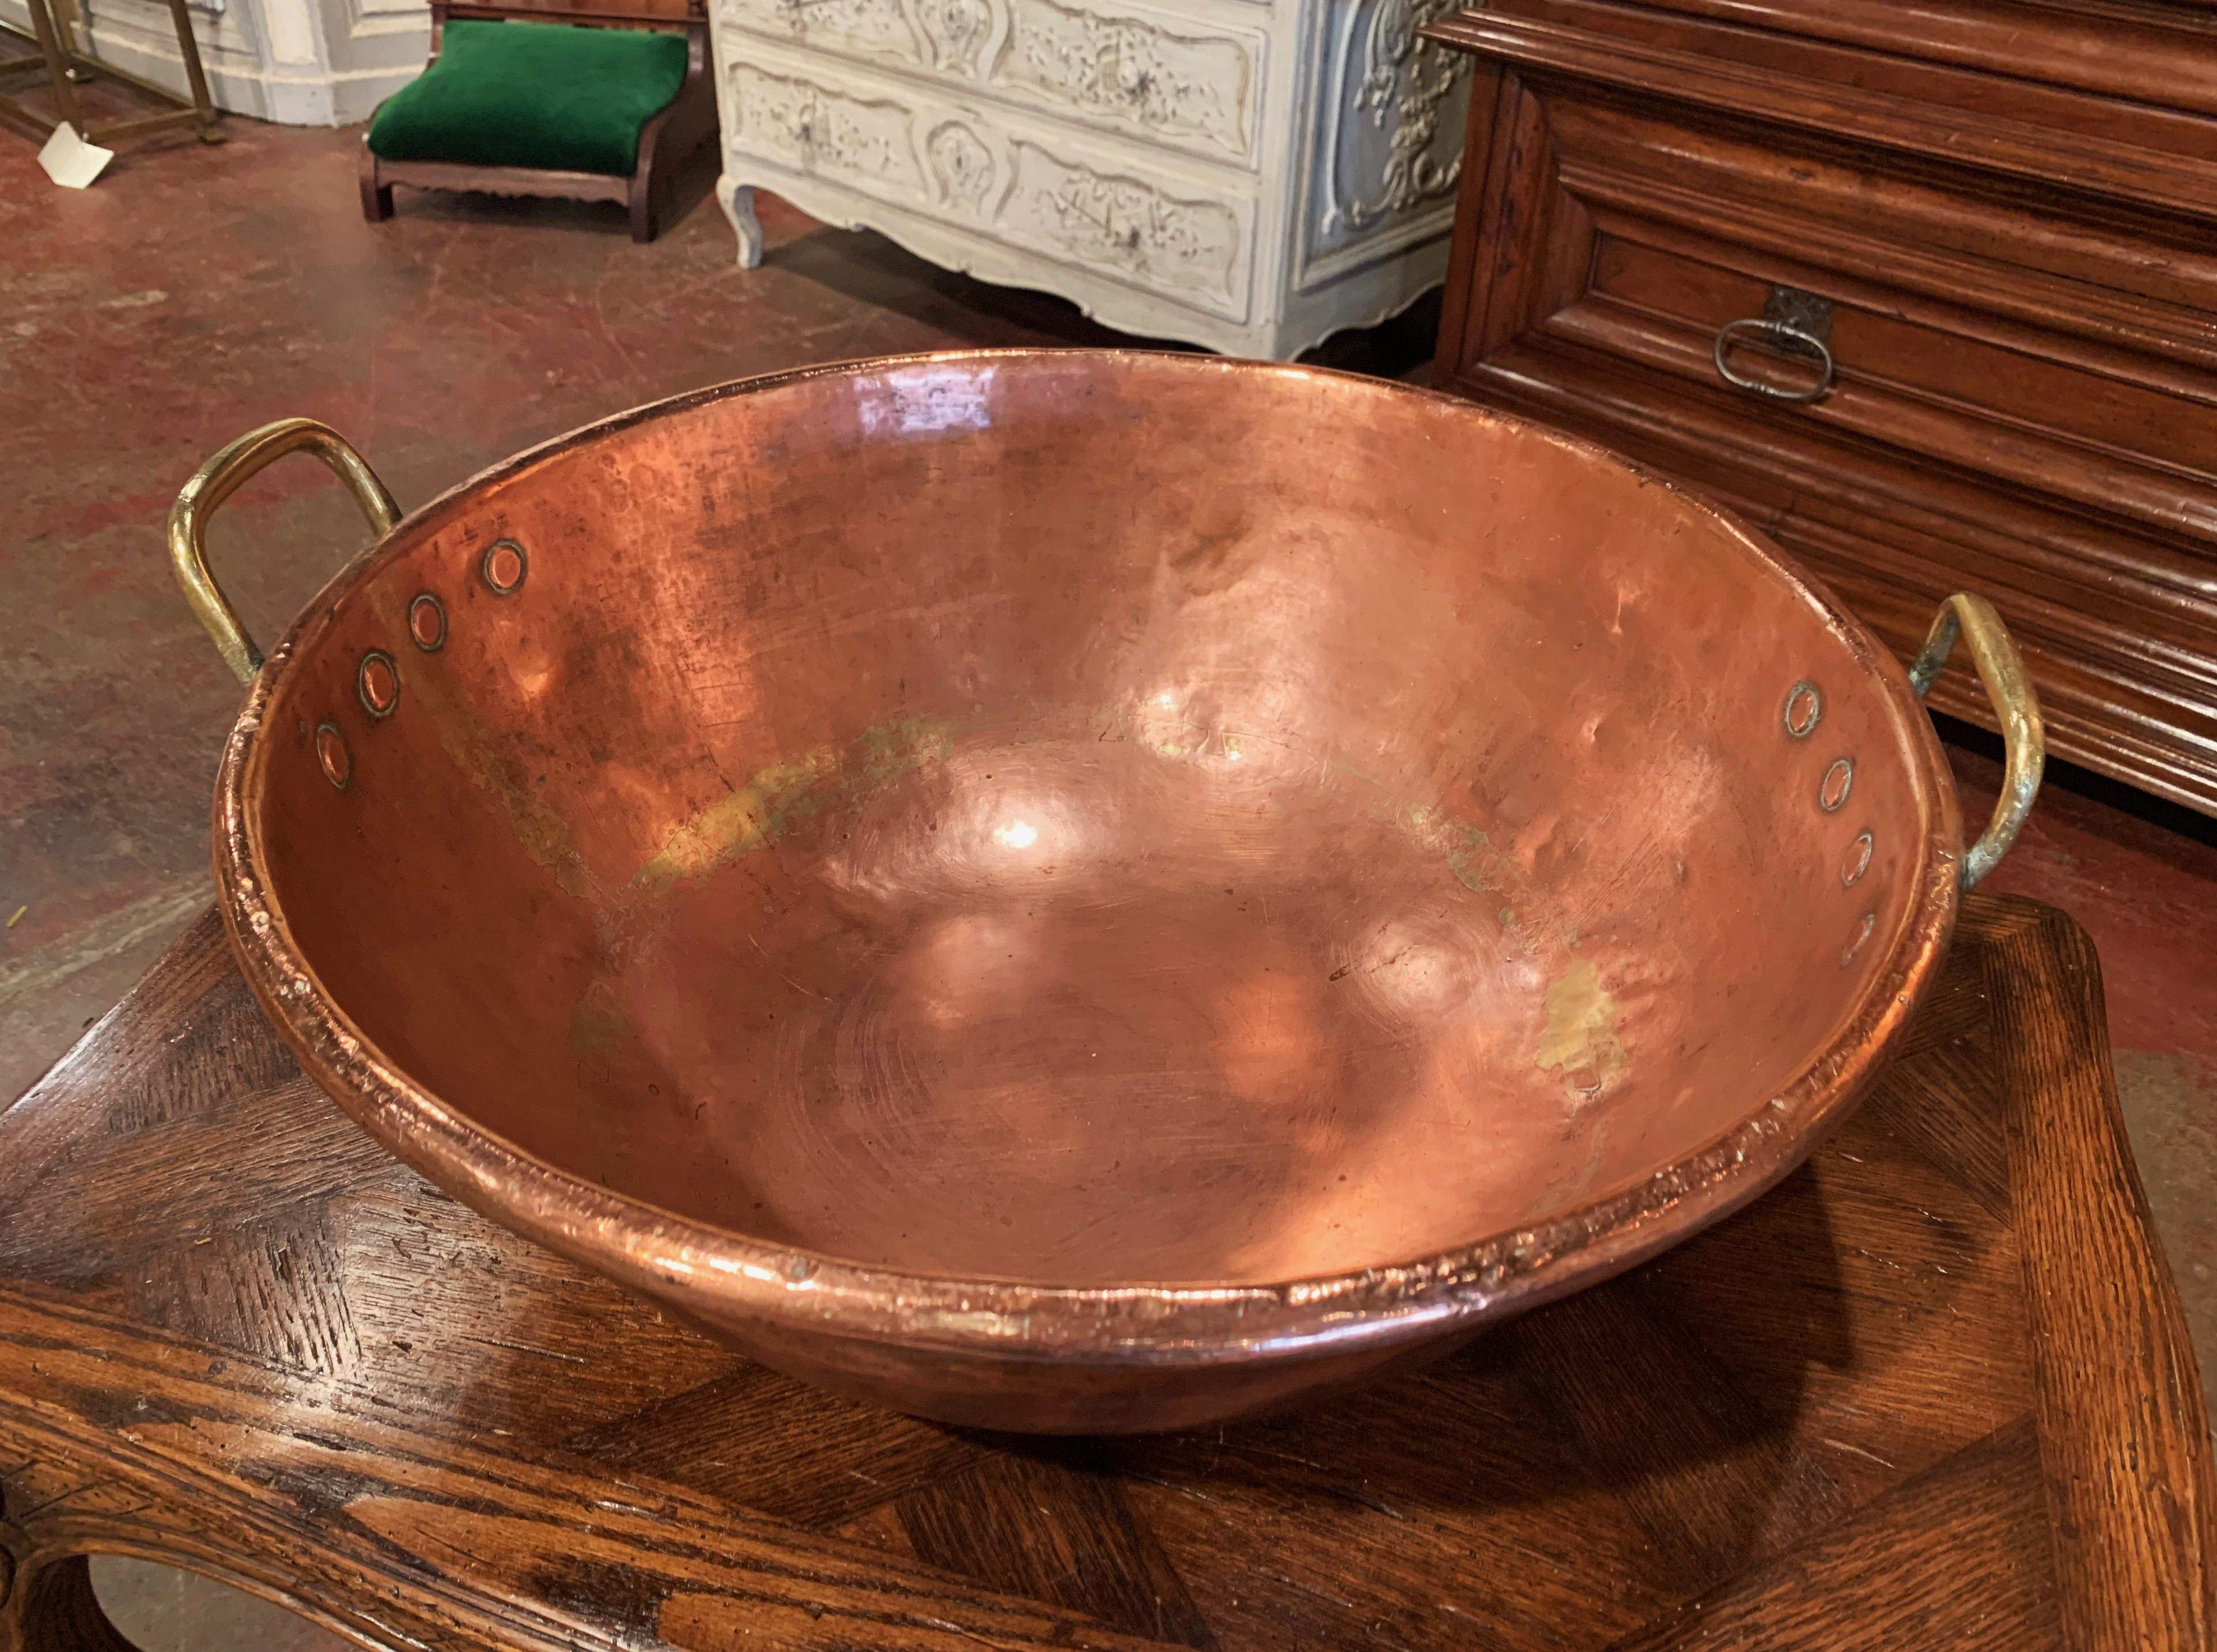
(586, 100)
(1933, 1393)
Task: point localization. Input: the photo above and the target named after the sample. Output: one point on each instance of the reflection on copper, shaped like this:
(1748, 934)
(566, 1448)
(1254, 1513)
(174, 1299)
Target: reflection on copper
(1089, 890)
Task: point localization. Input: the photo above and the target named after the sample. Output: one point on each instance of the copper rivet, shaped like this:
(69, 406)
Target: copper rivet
(502, 567)
(427, 622)
(1857, 862)
(1867, 922)
(1839, 779)
(1804, 708)
(377, 680)
(332, 755)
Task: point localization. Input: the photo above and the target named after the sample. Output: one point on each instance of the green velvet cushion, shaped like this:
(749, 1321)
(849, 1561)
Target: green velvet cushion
(544, 95)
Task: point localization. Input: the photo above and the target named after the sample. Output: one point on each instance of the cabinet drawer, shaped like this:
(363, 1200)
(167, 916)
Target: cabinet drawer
(2031, 411)
(2020, 405)
(974, 168)
(2123, 665)
(1186, 82)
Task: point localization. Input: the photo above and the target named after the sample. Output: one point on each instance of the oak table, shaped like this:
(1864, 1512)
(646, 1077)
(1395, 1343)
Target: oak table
(1933, 1393)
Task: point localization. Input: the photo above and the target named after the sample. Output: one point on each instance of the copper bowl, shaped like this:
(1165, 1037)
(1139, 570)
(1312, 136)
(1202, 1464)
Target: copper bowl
(1084, 890)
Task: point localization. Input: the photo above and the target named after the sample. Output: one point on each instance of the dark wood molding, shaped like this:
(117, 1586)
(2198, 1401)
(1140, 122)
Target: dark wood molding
(2141, 51)
(2026, 331)
(1934, 1391)
(2047, 141)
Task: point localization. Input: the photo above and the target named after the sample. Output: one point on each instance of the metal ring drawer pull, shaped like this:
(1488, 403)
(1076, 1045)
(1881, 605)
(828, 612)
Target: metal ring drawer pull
(1787, 340)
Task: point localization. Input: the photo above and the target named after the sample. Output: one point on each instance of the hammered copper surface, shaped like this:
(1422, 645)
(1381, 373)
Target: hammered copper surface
(1087, 889)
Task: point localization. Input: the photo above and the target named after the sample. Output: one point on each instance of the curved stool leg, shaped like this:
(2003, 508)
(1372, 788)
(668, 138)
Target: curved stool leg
(738, 201)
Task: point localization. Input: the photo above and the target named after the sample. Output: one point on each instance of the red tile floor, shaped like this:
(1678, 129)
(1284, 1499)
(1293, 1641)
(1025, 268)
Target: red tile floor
(196, 292)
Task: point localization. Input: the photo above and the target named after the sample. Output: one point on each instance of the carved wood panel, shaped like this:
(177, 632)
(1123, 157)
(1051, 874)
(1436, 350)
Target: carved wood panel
(1387, 149)
(1183, 82)
(2026, 397)
(973, 169)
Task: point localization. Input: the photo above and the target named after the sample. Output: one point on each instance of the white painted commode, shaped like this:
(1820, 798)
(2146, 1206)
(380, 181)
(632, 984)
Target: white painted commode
(1250, 176)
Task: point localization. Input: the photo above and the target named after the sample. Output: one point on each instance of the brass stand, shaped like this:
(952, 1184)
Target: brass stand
(66, 66)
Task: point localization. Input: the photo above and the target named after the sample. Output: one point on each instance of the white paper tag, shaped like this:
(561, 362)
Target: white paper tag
(71, 162)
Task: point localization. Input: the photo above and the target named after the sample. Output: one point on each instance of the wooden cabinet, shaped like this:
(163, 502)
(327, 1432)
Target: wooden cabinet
(2000, 219)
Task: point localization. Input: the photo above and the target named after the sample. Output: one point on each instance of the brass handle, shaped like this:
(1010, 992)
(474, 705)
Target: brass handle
(220, 478)
(2025, 741)
(1787, 340)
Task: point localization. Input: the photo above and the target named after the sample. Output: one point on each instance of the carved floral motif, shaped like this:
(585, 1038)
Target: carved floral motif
(1175, 85)
(961, 164)
(1103, 219)
(1404, 87)
(879, 27)
(811, 128)
(958, 30)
